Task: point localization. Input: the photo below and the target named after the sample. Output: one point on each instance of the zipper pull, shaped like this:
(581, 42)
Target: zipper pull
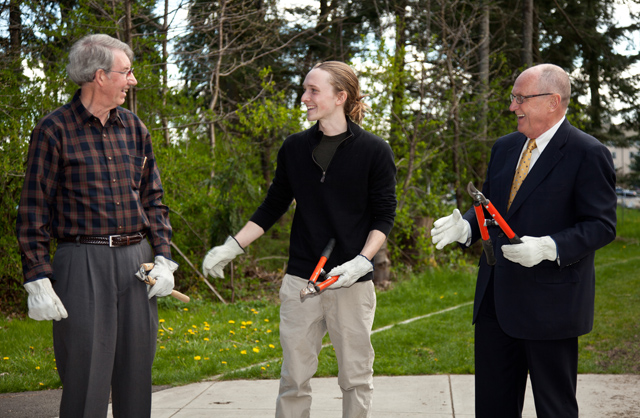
(322, 179)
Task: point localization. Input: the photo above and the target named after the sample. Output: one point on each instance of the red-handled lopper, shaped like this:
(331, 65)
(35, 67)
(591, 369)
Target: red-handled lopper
(480, 201)
(311, 286)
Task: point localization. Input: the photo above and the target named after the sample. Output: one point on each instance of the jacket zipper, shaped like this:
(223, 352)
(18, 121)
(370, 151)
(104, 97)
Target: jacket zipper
(324, 172)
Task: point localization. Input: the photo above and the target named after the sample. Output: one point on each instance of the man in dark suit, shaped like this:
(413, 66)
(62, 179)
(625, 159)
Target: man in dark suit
(555, 187)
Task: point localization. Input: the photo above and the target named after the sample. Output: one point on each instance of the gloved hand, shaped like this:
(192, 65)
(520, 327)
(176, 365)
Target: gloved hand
(350, 271)
(449, 229)
(532, 251)
(43, 302)
(220, 256)
(162, 271)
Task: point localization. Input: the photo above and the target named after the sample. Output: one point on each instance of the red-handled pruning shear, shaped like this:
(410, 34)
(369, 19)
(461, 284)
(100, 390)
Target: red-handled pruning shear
(311, 286)
(478, 202)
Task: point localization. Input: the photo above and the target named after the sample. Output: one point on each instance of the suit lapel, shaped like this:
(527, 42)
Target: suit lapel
(548, 159)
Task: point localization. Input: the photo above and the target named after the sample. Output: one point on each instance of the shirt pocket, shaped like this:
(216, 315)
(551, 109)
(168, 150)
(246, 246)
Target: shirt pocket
(136, 166)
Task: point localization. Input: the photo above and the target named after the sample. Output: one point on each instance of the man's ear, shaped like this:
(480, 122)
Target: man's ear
(554, 102)
(100, 76)
(342, 97)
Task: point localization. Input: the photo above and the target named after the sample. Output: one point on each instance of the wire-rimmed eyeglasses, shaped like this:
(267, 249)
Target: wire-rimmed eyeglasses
(520, 99)
(126, 73)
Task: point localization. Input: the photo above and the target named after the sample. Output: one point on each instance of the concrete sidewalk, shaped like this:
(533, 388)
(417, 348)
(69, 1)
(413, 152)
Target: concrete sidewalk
(434, 396)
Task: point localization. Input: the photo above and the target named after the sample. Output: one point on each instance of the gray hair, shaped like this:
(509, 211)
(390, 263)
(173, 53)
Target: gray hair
(554, 79)
(91, 53)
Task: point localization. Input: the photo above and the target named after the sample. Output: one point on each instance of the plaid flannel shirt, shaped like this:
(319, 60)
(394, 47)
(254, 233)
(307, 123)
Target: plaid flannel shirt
(83, 178)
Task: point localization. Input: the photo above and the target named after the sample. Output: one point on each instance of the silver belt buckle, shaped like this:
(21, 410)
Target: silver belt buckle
(111, 237)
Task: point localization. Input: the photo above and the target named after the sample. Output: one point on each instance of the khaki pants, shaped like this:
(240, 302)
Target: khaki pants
(347, 314)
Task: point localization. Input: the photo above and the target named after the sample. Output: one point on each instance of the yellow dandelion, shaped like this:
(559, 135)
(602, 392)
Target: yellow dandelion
(162, 347)
(161, 321)
(231, 332)
(170, 329)
(268, 330)
(256, 350)
(243, 352)
(442, 297)
(222, 349)
(272, 346)
(255, 329)
(206, 339)
(263, 368)
(5, 358)
(266, 320)
(185, 309)
(232, 321)
(243, 323)
(243, 327)
(37, 367)
(197, 358)
(41, 384)
(224, 362)
(206, 358)
(207, 328)
(193, 326)
(249, 323)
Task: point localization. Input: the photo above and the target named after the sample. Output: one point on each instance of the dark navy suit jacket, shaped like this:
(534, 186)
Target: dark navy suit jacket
(569, 194)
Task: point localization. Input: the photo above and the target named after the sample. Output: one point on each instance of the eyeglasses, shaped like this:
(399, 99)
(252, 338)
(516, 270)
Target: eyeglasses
(520, 99)
(126, 73)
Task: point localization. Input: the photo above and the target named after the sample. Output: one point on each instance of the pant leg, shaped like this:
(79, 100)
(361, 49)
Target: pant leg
(89, 279)
(302, 328)
(84, 343)
(553, 367)
(501, 366)
(349, 314)
(137, 334)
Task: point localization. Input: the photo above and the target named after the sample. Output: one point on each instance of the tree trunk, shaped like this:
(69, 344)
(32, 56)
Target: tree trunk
(15, 28)
(128, 28)
(485, 50)
(382, 264)
(165, 75)
(527, 33)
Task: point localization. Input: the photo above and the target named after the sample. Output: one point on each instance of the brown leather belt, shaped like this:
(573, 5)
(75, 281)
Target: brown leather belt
(110, 240)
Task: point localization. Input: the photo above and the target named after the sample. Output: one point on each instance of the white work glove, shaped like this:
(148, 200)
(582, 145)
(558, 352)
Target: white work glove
(532, 251)
(43, 302)
(449, 229)
(162, 271)
(350, 271)
(220, 256)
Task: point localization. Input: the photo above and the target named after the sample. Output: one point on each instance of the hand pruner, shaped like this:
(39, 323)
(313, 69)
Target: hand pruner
(480, 201)
(311, 286)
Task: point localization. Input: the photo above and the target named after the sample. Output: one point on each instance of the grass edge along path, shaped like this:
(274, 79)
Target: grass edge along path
(329, 344)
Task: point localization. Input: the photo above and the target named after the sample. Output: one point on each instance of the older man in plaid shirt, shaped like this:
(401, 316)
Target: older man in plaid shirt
(92, 184)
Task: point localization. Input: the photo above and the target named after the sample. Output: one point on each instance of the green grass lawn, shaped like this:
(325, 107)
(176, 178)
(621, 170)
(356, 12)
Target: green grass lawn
(205, 338)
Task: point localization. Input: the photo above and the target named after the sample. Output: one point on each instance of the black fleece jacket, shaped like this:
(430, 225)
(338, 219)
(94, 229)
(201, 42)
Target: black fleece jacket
(354, 196)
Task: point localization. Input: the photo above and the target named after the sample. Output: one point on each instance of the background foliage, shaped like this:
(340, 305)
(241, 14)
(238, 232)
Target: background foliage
(220, 86)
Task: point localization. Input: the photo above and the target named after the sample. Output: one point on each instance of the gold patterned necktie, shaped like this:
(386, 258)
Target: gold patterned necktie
(521, 171)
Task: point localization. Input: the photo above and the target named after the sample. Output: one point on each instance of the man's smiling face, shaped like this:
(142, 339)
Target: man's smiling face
(534, 115)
